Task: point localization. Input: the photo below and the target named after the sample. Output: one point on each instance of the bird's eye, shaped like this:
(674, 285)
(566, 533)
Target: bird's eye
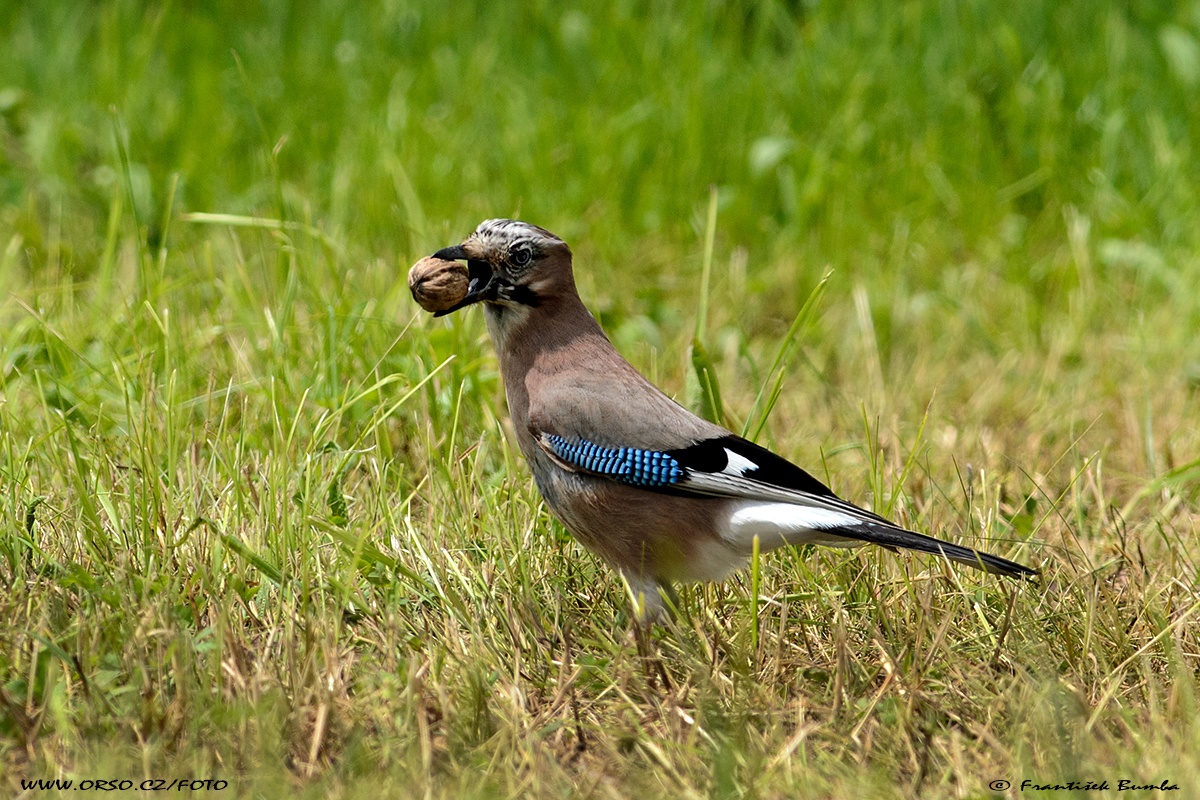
(520, 256)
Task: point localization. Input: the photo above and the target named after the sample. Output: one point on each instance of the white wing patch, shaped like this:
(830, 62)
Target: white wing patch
(737, 464)
(777, 524)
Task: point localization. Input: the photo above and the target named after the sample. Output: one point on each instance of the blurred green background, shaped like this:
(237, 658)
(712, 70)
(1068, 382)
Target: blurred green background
(989, 179)
(827, 127)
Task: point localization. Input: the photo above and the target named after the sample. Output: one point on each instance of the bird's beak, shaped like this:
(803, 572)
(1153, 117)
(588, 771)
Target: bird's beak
(483, 280)
(455, 253)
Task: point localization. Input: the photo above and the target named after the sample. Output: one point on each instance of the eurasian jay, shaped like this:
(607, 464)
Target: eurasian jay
(657, 492)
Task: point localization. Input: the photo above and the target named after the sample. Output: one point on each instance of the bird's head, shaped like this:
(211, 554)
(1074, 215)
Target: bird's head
(511, 264)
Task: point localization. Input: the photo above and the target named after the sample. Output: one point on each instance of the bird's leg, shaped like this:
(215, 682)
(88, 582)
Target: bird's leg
(644, 595)
(648, 598)
(669, 600)
(648, 653)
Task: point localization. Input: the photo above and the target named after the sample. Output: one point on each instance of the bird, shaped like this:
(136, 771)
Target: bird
(658, 493)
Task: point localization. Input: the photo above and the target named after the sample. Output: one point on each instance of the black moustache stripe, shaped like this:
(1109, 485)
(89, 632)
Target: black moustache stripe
(523, 295)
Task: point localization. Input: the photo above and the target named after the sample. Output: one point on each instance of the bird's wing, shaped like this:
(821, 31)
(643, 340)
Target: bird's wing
(734, 468)
(728, 466)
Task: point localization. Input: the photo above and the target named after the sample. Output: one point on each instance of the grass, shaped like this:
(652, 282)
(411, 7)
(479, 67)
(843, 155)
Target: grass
(262, 521)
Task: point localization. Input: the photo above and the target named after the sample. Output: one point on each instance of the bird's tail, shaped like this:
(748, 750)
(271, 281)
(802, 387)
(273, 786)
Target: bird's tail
(893, 537)
(839, 524)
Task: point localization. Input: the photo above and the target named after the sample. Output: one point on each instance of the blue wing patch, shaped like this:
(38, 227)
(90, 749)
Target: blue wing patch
(650, 469)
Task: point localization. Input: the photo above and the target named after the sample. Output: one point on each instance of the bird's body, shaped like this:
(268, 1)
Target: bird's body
(657, 492)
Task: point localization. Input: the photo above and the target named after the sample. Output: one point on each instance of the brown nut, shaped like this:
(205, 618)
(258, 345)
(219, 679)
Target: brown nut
(436, 284)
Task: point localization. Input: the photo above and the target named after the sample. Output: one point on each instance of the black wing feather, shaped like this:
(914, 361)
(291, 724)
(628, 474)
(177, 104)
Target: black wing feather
(710, 456)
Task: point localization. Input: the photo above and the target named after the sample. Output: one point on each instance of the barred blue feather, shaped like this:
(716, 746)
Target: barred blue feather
(649, 469)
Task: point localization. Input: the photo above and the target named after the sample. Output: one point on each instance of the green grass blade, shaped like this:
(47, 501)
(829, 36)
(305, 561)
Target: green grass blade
(764, 404)
(246, 553)
(710, 405)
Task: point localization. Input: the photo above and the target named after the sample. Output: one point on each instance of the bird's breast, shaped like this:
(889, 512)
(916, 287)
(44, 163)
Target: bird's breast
(666, 537)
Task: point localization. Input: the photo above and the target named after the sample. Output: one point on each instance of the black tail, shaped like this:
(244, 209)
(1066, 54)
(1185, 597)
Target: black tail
(892, 537)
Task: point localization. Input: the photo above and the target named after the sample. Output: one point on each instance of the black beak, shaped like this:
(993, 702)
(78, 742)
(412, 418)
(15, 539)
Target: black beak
(455, 253)
(483, 281)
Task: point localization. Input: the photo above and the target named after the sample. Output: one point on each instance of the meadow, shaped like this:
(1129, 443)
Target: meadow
(262, 520)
